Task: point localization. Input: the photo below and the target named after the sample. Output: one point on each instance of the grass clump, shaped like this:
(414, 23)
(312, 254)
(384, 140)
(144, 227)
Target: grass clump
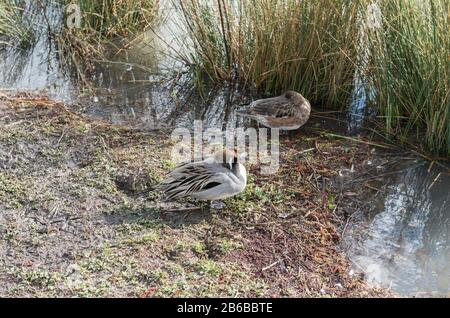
(410, 70)
(208, 267)
(308, 46)
(37, 277)
(13, 191)
(113, 18)
(12, 28)
(317, 48)
(106, 26)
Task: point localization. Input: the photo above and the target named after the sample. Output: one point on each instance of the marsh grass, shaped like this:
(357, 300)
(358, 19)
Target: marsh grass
(12, 28)
(116, 18)
(309, 46)
(107, 27)
(316, 48)
(410, 71)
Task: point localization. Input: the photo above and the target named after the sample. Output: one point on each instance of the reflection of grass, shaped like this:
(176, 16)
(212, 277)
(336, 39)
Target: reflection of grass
(11, 25)
(104, 24)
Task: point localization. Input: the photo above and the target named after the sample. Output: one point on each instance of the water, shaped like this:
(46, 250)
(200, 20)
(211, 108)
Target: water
(399, 238)
(145, 86)
(37, 67)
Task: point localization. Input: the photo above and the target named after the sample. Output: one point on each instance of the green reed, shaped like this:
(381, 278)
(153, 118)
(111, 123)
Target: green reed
(410, 68)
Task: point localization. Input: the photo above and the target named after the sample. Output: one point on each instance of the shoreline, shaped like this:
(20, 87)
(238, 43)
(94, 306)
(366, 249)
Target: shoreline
(79, 217)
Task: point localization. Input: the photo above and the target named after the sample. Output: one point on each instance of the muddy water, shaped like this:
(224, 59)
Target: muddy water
(399, 239)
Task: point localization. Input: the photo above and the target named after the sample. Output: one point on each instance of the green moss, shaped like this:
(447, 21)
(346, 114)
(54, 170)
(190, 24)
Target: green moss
(208, 267)
(13, 190)
(226, 245)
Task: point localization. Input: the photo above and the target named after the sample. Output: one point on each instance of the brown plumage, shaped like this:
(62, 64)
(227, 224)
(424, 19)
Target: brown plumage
(287, 112)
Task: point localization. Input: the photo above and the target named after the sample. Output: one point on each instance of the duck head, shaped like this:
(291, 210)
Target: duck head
(228, 158)
(299, 100)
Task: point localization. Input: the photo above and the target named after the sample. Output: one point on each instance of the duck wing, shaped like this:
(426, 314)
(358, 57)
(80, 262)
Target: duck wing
(276, 107)
(191, 178)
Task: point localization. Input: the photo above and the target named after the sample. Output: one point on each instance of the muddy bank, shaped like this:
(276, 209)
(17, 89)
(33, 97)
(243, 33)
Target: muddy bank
(78, 217)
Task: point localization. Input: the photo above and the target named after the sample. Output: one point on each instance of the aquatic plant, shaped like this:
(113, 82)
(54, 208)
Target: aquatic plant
(108, 25)
(112, 18)
(410, 69)
(308, 46)
(317, 47)
(12, 28)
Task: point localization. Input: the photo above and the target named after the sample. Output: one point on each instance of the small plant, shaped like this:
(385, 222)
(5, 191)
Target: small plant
(208, 267)
(227, 245)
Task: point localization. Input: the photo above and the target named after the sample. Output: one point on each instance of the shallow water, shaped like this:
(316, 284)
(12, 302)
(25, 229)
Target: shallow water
(399, 239)
(143, 87)
(36, 67)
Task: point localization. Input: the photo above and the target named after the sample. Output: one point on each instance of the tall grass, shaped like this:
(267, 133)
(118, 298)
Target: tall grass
(316, 48)
(114, 18)
(410, 70)
(12, 29)
(107, 26)
(274, 45)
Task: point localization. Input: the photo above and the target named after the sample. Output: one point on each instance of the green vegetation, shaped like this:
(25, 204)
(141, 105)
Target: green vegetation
(11, 25)
(308, 46)
(410, 70)
(112, 18)
(106, 26)
(111, 24)
(314, 47)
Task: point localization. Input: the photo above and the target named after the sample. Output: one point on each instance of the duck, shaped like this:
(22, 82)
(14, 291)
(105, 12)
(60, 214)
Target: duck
(289, 111)
(217, 177)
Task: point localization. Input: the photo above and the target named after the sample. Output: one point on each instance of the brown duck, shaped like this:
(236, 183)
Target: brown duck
(289, 111)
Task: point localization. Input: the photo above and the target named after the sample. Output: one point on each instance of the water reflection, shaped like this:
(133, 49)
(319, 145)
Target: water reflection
(143, 86)
(37, 67)
(403, 241)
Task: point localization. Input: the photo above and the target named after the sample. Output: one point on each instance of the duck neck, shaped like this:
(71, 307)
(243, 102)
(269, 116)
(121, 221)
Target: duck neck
(239, 171)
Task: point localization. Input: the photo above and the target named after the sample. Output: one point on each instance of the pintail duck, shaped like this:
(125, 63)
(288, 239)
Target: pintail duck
(289, 111)
(214, 178)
